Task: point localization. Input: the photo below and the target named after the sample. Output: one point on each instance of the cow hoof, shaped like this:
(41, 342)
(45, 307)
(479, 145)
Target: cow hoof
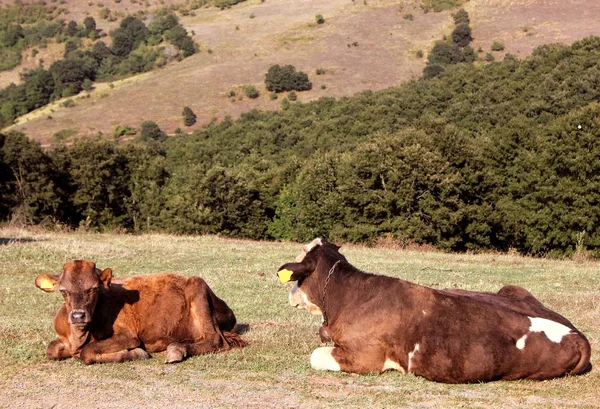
(322, 360)
(175, 353)
(139, 353)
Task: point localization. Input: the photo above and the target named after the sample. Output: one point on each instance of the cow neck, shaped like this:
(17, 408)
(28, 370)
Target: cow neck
(324, 309)
(77, 338)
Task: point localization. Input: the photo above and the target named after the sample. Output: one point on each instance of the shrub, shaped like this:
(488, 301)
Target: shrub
(319, 19)
(189, 117)
(489, 57)
(497, 46)
(461, 17)
(292, 96)
(432, 70)
(251, 91)
(461, 36)
(150, 131)
(123, 130)
(408, 16)
(286, 78)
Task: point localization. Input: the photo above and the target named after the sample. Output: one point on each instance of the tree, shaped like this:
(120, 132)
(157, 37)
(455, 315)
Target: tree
(122, 43)
(72, 29)
(100, 177)
(286, 78)
(461, 36)
(461, 17)
(32, 192)
(70, 46)
(444, 53)
(162, 23)
(135, 29)
(150, 131)
(68, 77)
(89, 25)
(189, 118)
(39, 86)
(100, 51)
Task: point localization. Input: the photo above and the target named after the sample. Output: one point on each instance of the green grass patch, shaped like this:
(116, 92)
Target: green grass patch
(273, 370)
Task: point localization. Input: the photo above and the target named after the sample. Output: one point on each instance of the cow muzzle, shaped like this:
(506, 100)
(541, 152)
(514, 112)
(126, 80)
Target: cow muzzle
(78, 317)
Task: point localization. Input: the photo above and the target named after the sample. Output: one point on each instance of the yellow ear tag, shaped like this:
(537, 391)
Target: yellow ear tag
(46, 284)
(284, 275)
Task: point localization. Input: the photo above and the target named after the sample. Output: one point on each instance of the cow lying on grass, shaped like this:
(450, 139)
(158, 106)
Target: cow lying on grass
(379, 323)
(108, 321)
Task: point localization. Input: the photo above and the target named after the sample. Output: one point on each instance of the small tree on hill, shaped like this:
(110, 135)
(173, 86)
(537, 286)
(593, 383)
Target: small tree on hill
(150, 131)
(461, 36)
(461, 17)
(189, 117)
(286, 78)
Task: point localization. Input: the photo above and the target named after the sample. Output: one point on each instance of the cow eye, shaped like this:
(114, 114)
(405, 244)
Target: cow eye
(92, 290)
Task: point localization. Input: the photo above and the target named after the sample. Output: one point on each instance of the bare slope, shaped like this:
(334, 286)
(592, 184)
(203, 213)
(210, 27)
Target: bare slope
(361, 46)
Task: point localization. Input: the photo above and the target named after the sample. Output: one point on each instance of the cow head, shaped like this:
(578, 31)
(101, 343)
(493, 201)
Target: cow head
(307, 274)
(79, 283)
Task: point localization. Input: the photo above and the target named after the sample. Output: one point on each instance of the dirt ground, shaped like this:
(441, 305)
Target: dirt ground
(360, 46)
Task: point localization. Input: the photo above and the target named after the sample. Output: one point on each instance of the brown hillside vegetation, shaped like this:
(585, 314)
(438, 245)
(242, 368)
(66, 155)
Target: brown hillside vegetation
(362, 45)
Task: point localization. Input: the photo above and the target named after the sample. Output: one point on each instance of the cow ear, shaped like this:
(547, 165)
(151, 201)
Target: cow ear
(293, 272)
(47, 282)
(106, 277)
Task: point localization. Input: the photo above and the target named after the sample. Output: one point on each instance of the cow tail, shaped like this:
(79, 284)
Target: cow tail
(584, 365)
(234, 339)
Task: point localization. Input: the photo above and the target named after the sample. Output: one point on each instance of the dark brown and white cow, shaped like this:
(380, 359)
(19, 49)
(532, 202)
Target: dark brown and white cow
(105, 320)
(378, 323)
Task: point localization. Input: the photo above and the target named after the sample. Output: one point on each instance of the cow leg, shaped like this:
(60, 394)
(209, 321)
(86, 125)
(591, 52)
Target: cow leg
(57, 349)
(118, 348)
(204, 327)
(341, 359)
(519, 293)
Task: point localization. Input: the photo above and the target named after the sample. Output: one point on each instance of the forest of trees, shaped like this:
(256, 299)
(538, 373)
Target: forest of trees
(497, 156)
(134, 49)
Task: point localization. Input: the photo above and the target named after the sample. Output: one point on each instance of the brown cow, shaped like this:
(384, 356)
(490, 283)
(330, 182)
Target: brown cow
(113, 321)
(455, 336)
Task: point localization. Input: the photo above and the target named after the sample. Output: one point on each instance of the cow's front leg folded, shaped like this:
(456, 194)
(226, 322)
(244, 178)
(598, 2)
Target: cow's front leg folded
(118, 348)
(344, 359)
(57, 349)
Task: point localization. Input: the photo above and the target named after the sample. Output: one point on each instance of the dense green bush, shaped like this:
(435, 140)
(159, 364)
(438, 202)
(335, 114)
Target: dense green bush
(286, 78)
(189, 117)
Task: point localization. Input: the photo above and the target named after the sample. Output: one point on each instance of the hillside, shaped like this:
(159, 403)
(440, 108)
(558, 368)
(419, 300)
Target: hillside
(360, 46)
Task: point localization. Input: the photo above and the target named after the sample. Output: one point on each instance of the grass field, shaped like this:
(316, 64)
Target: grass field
(274, 370)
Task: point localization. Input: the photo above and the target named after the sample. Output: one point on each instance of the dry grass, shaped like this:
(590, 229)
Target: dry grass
(284, 32)
(273, 371)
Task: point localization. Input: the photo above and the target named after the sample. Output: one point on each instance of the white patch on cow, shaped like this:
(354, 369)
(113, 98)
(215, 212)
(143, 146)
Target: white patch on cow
(553, 330)
(411, 355)
(521, 342)
(307, 248)
(322, 360)
(424, 312)
(389, 364)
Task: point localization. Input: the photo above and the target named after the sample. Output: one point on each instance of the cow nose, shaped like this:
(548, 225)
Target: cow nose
(77, 317)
